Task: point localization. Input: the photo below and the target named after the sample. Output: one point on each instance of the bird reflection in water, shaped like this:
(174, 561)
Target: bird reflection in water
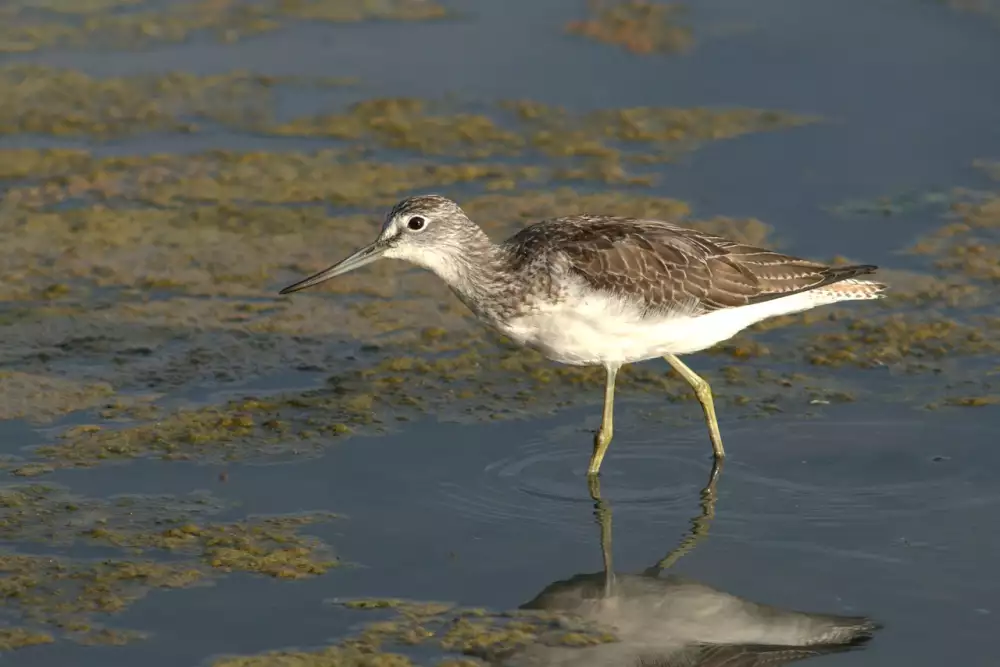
(670, 621)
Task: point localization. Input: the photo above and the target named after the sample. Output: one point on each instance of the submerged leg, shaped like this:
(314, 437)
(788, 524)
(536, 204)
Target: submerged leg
(603, 437)
(704, 394)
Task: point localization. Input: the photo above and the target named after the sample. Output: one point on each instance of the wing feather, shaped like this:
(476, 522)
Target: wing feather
(665, 267)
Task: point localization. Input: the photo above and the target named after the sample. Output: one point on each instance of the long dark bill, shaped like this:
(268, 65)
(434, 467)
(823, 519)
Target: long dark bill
(366, 255)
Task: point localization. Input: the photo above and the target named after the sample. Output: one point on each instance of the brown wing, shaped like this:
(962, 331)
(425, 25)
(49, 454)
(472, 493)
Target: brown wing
(666, 267)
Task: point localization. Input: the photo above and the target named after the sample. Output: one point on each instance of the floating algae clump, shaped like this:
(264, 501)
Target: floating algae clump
(408, 123)
(900, 339)
(267, 547)
(528, 128)
(44, 100)
(441, 628)
(326, 657)
(640, 26)
(239, 429)
(29, 25)
(140, 524)
(939, 318)
(987, 8)
(970, 245)
(14, 638)
(70, 596)
(42, 398)
(468, 380)
(361, 10)
(66, 102)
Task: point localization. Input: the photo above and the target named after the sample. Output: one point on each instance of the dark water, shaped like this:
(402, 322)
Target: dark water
(854, 516)
(875, 508)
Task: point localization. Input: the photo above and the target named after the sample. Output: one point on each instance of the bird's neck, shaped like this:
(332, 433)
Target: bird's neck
(478, 277)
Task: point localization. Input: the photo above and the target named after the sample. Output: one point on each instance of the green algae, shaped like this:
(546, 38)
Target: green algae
(31, 25)
(75, 6)
(645, 134)
(373, 604)
(968, 240)
(338, 11)
(26, 31)
(482, 637)
(233, 246)
(15, 638)
(939, 317)
(24, 163)
(444, 628)
(145, 525)
(326, 657)
(467, 380)
(973, 401)
(65, 102)
(898, 339)
(986, 8)
(411, 124)
(519, 127)
(226, 185)
(239, 429)
(43, 398)
(71, 597)
(365, 400)
(970, 244)
(640, 26)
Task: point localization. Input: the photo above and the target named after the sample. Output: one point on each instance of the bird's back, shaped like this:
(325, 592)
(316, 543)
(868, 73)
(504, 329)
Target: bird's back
(663, 266)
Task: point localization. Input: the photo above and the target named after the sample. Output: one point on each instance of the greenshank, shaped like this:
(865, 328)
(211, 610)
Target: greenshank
(606, 290)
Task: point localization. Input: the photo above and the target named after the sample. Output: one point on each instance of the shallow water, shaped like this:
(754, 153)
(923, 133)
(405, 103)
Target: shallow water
(862, 478)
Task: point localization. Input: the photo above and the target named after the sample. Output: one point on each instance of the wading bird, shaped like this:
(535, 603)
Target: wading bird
(605, 290)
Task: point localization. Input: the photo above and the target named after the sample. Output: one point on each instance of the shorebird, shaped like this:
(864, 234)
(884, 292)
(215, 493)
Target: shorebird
(605, 290)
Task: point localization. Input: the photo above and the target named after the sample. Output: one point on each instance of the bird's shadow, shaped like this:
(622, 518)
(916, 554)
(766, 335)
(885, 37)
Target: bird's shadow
(664, 620)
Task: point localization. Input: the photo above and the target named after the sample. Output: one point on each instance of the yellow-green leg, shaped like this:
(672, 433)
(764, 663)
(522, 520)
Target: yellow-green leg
(699, 525)
(704, 394)
(603, 513)
(603, 437)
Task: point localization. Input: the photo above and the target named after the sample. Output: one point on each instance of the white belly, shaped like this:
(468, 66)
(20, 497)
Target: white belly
(598, 330)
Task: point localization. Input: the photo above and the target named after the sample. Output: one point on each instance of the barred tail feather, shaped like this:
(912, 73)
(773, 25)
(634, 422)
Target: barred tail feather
(852, 289)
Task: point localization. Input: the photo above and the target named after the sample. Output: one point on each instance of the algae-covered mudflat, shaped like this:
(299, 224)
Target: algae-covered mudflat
(198, 471)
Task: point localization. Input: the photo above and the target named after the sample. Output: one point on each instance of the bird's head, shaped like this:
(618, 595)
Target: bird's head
(428, 230)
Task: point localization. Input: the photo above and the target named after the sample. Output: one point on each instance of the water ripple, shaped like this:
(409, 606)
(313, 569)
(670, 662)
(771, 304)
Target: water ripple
(826, 473)
(543, 480)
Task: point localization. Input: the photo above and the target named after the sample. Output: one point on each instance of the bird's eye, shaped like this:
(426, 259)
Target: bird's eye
(416, 223)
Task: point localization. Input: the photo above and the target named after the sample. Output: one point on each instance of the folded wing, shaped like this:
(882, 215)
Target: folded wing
(665, 267)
